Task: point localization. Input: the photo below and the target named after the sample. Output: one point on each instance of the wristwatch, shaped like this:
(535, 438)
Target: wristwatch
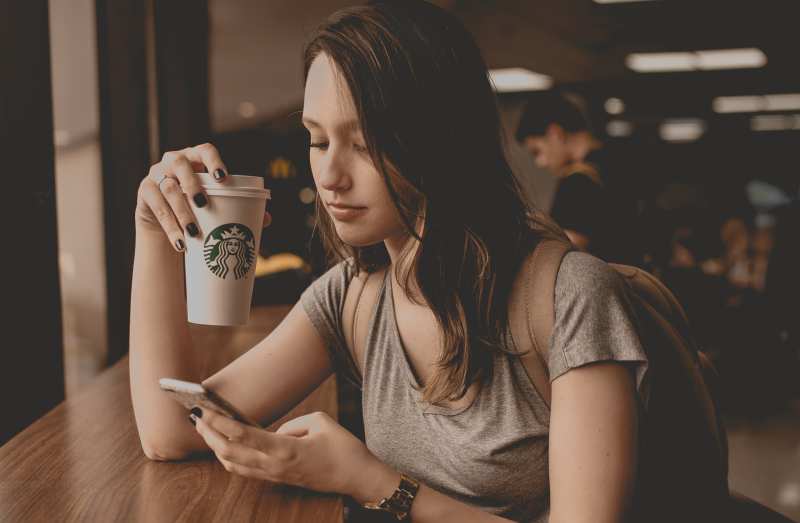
(399, 504)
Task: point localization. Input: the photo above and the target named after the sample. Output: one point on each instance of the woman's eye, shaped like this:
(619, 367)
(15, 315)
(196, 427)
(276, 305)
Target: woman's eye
(324, 145)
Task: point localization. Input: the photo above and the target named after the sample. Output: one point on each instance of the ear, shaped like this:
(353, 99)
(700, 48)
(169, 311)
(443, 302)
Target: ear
(556, 132)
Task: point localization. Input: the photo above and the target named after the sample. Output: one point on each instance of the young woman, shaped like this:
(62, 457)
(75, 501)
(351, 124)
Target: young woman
(414, 188)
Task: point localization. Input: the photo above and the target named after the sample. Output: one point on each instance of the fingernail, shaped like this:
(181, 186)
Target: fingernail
(197, 412)
(179, 244)
(192, 229)
(192, 419)
(200, 199)
(219, 174)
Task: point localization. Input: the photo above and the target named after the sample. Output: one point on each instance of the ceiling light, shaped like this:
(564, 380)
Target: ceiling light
(516, 79)
(782, 102)
(614, 106)
(682, 130)
(765, 196)
(755, 104)
(731, 59)
(738, 104)
(775, 122)
(708, 60)
(660, 62)
(619, 128)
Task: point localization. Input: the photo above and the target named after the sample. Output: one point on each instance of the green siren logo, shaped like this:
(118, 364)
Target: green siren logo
(230, 248)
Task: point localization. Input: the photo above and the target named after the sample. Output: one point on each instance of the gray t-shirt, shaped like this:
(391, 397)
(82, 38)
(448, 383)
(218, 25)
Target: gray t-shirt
(492, 453)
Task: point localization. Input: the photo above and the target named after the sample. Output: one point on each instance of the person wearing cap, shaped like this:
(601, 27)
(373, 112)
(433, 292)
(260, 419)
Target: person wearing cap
(554, 130)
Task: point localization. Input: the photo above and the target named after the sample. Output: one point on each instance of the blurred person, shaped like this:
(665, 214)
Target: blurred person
(693, 269)
(735, 235)
(589, 203)
(413, 187)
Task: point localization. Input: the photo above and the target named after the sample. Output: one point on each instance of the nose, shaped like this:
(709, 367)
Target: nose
(333, 172)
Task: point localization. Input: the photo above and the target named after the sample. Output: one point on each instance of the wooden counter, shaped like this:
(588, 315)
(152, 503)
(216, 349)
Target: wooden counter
(83, 461)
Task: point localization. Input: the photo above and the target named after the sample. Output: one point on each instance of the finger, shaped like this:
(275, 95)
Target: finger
(208, 155)
(306, 424)
(267, 220)
(252, 437)
(177, 164)
(228, 450)
(296, 427)
(161, 209)
(180, 208)
(267, 443)
(230, 428)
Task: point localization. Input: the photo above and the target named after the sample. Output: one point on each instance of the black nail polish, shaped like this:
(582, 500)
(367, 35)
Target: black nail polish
(219, 174)
(197, 412)
(192, 229)
(179, 244)
(200, 199)
(193, 422)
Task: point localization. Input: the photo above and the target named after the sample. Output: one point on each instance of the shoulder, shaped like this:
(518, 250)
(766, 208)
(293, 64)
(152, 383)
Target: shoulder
(595, 318)
(583, 274)
(338, 275)
(329, 289)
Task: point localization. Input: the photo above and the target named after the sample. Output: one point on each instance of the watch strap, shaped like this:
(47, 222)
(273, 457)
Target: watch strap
(399, 503)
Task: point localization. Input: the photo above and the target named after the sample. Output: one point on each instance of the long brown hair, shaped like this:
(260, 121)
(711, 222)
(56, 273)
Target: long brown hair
(430, 121)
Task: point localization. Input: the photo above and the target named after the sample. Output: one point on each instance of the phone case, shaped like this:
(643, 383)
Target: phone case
(191, 395)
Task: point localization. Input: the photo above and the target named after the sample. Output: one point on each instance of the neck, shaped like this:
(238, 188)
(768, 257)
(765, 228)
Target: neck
(396, 244)
(582, 143)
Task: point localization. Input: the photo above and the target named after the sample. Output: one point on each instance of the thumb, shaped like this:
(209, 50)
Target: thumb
(297, 427)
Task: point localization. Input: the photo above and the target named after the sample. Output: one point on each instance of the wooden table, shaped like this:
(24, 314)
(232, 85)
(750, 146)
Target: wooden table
(83, 461)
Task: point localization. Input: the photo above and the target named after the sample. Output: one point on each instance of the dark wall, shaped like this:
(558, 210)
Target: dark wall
(31, 359)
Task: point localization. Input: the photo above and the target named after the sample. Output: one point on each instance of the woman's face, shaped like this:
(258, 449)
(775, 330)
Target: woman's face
(350, 187)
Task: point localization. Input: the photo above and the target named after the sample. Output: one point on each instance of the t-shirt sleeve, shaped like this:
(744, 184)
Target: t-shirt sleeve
(594, 320)
(578, 204)
(323, 302)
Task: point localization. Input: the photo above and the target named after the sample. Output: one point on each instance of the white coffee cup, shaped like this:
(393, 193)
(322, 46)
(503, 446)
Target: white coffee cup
(220, 262)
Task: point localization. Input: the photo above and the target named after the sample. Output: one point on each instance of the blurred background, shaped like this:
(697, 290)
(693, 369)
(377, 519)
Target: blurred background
(697, 102)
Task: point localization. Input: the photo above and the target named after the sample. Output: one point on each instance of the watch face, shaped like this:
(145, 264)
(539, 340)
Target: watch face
(402, 500)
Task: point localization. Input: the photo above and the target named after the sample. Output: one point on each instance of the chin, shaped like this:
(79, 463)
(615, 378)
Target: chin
(358, 236)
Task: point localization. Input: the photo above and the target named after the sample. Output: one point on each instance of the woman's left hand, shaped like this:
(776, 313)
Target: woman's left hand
(312, 451)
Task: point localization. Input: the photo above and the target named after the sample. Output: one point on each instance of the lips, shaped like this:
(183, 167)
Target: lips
(343, 212)
(344, 206)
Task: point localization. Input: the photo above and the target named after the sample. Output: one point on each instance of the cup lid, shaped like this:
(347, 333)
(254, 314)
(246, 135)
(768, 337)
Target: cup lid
(232, 181)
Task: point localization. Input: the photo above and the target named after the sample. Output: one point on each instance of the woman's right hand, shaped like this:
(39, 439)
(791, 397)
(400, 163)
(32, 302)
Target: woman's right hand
(163, 206)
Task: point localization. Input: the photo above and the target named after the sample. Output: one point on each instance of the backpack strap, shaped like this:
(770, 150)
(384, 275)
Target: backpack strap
(362, 295)
(532, 313)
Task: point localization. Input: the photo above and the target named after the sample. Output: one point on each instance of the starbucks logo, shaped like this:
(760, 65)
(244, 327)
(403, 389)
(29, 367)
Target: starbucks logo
(230, 249)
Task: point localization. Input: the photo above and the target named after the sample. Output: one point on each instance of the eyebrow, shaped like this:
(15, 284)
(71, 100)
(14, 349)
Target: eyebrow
(348, 125)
